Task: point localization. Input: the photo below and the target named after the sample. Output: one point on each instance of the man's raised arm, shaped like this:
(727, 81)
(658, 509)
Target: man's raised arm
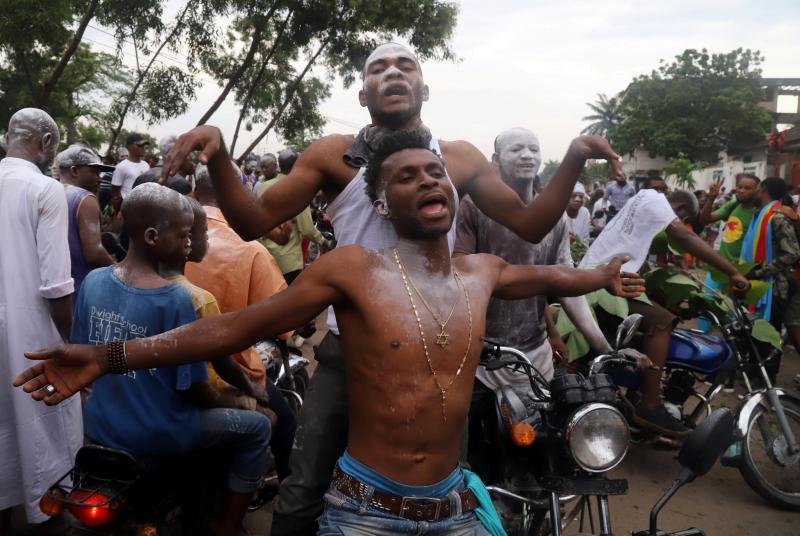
(249, 217)
(71, 367)
(534, 221)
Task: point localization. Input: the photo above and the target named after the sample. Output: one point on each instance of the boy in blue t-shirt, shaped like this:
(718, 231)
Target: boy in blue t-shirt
(156, 411)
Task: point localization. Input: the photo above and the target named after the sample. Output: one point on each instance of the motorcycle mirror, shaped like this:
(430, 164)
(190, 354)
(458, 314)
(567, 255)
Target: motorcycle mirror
(706, 442)
(697, 456)
(626, 330)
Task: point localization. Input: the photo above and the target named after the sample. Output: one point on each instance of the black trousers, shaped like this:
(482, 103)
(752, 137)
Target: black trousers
(320, 440)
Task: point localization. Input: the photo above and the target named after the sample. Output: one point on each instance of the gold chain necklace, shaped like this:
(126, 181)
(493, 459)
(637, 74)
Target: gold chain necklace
(459, 281)
(442, 337)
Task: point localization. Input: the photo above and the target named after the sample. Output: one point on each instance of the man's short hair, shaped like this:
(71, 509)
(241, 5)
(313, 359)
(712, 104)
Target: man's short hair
(286, 159)
(747, 175)
(391, 143)
(166, 144)
(687, 199)
(649, 180)
(776, 187)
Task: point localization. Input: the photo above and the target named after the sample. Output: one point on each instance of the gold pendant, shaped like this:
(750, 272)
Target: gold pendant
(441, 338)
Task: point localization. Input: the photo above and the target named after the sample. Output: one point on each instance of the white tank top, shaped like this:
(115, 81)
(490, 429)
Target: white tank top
(355, 221)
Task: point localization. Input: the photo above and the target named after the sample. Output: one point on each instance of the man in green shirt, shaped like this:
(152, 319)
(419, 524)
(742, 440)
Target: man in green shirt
(289, 256)
(736, 213)
(736, 216)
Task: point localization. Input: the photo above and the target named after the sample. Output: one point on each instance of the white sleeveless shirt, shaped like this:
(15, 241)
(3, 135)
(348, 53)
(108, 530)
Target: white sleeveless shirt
(355, 221)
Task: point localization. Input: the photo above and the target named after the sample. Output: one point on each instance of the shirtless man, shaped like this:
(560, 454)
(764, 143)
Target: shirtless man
(409, 378)
(393, 91)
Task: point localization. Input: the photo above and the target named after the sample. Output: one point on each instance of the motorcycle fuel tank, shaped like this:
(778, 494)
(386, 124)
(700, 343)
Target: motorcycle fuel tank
(697, 351)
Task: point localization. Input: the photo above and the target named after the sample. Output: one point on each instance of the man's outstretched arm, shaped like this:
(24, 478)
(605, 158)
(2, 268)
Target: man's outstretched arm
(71, 367)
(532, 222)
(695, 245)
(249, 217)
(516, 282)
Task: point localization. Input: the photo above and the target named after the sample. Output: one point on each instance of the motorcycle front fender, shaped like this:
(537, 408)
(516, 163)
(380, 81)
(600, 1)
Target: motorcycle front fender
(756, 399)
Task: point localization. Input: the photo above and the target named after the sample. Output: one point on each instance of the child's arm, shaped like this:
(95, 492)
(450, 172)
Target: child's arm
(517, 282)
(230, 371)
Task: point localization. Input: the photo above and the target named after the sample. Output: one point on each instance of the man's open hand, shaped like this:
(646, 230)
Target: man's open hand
(205, 138)
(624, 284)
(68, 368)
(597, 147)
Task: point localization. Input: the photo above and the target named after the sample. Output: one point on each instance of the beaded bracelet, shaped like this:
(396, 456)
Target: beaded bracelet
(115, 353)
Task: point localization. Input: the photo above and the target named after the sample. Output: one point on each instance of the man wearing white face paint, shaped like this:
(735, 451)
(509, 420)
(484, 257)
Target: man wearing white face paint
(393, 91)
(37, 443)
(522, 324)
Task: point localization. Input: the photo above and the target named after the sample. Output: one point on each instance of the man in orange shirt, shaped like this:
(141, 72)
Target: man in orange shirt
(238, 274)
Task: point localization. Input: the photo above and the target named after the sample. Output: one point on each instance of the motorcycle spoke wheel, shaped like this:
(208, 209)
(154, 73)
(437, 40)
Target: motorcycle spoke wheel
(768, 468)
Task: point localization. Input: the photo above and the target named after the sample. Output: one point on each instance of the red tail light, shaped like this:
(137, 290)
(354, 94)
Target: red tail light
(95, 508)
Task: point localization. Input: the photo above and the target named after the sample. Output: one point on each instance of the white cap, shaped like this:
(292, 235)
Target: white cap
(579, 189)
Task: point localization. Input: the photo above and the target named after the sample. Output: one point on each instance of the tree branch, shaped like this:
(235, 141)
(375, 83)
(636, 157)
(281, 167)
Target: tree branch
(260, 25)
(58, 70)
(289, 95)
(132, 93)
(257, 81)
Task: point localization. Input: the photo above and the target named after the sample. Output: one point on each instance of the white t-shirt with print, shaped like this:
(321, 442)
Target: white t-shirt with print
(631, 231)
(126, 173)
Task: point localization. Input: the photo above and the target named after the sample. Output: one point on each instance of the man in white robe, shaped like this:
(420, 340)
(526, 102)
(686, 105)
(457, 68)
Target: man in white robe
(37, 442)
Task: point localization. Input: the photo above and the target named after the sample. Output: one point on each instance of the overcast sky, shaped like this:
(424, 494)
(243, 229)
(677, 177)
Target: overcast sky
(536, 63)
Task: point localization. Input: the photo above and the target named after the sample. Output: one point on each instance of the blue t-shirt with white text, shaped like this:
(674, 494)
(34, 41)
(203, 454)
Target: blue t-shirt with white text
(141, 411)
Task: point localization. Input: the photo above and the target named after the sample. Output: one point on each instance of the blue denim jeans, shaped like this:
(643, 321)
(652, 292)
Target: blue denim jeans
(246, 433)
(344, 516)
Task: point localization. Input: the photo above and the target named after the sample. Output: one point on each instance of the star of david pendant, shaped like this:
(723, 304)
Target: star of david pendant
(441, 338)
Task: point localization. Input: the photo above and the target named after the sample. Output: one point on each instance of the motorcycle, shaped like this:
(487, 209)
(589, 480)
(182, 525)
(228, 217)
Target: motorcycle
(112, 492)
(319, 214)
(287, 369)
(766, 450)
(554, 442)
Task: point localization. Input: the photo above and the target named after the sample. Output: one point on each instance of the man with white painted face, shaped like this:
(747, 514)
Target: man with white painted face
(393, 91)
(523, 324)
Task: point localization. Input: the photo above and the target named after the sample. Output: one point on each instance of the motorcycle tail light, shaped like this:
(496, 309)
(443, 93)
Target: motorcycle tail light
(94, 509)
(147, 530)
(522, 434)
(49, 503)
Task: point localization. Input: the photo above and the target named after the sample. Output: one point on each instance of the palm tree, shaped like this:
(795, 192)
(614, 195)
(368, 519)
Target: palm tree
(606, 114)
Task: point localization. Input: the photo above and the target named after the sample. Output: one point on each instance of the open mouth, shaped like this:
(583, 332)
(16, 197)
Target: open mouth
(433, 205)
(397, 90)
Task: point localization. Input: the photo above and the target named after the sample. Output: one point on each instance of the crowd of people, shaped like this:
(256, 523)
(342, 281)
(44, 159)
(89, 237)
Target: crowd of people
(162, 276)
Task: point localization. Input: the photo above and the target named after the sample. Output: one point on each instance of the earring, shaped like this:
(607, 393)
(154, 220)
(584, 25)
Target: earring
(381, 209)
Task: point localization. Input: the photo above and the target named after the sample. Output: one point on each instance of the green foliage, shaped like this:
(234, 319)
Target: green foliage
(695, 107)
(577, 345)
(681, 168)
(613, 305)
(548, 170)
(607, 115)
(764, 331)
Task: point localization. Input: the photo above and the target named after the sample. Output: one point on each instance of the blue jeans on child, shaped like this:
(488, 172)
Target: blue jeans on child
(246, 433)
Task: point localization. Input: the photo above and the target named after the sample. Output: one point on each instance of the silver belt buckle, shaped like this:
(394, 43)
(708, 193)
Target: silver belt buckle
(404, 506)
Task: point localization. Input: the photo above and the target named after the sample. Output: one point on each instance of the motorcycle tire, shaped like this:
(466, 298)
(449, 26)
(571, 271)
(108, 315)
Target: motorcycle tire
(755, 450)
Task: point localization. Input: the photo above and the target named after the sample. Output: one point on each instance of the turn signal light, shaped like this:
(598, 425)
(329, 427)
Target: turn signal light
(95, 508)
(49, 504)
(523, 434)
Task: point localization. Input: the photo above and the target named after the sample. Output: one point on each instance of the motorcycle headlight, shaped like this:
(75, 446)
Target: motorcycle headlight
(597, 436)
